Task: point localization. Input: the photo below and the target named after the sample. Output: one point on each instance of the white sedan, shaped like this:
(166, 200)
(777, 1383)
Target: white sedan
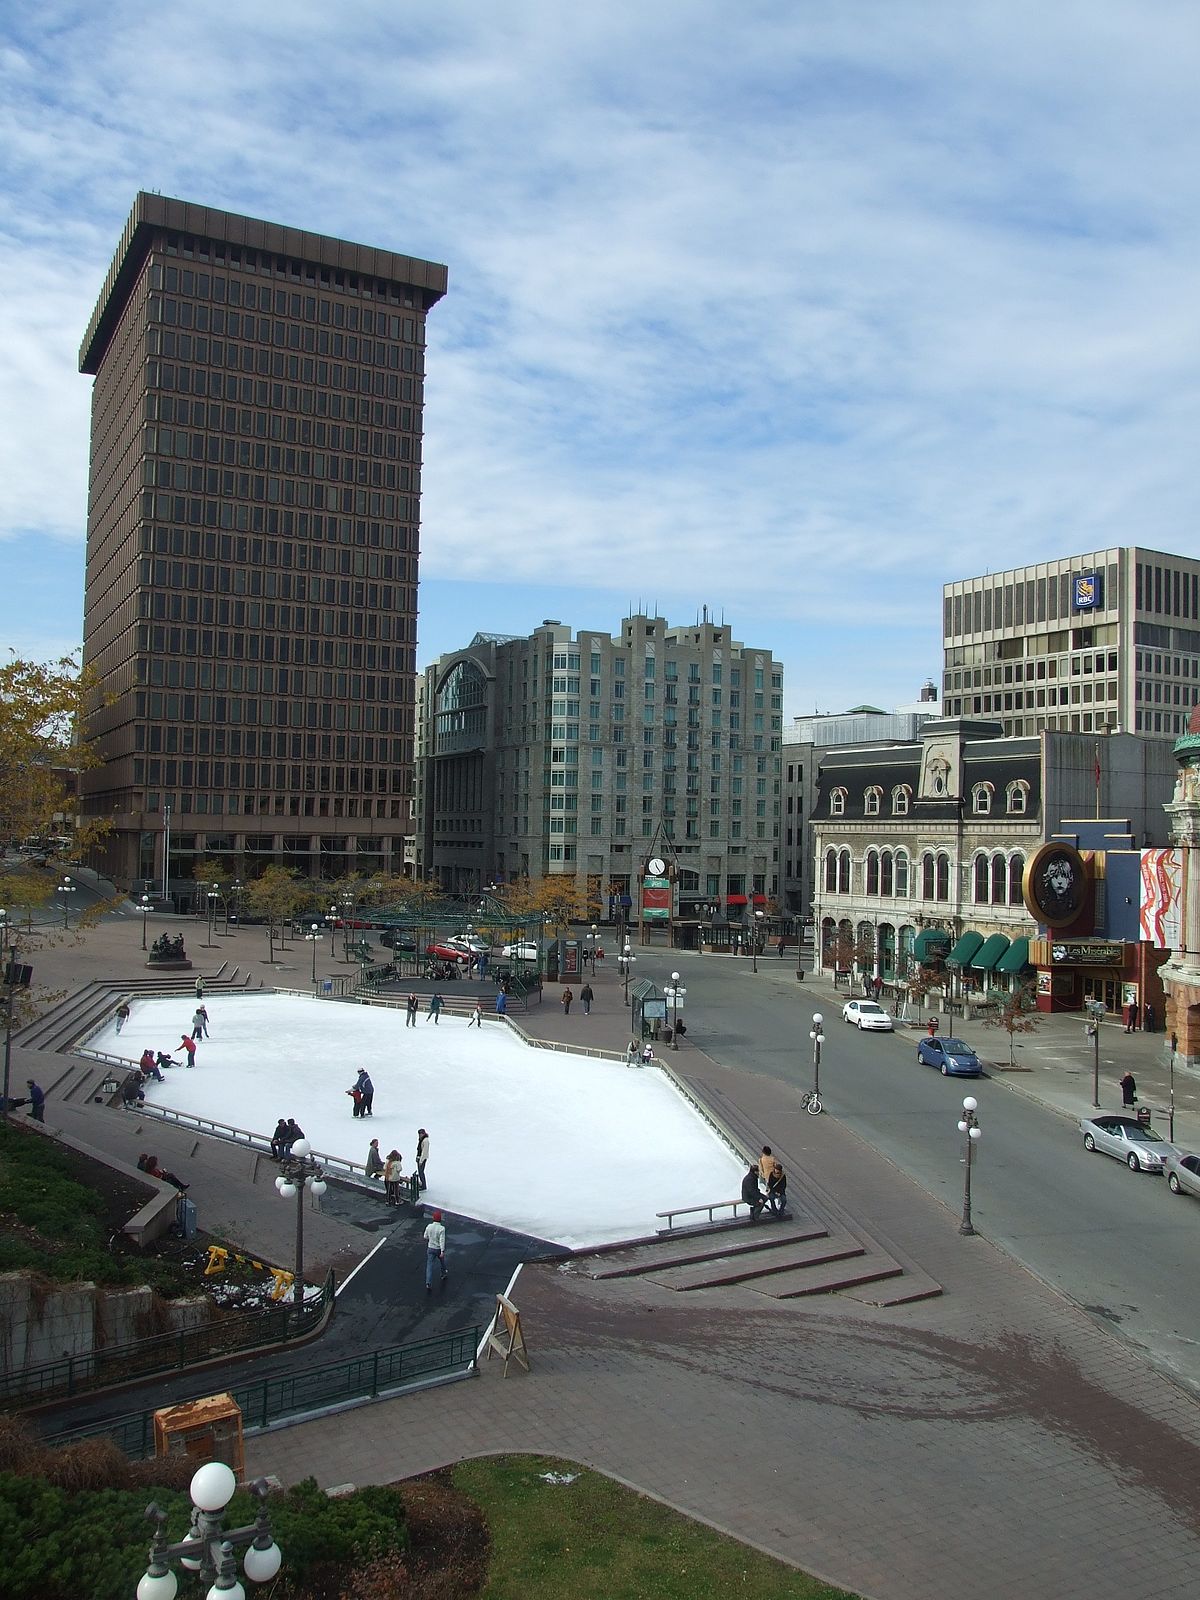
(521, 952)
(866, 1014)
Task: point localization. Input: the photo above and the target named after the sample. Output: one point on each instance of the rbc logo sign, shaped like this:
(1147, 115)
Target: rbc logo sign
(1088, 591)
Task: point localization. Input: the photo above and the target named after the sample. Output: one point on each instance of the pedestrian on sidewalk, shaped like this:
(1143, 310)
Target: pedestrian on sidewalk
(1131, 1016)
(37, 1100)
(200, 1023)
(567, 997)
(476, 1018)
(122, 1014)
(422, 1156)
(199, 988)
(374, 1162)
(435, 1009)
(1129, 1091)
(367, 1089)
(585, 998)
(188, 1044)
(393, 1177)
(435, 1250)
(410, 1011)
(1148, 1022)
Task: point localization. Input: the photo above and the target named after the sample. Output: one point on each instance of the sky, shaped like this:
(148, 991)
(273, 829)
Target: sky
(796, 309)
(563, 1147)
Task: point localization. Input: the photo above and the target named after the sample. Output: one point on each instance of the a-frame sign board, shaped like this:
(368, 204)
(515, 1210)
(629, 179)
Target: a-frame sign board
(506, 1338)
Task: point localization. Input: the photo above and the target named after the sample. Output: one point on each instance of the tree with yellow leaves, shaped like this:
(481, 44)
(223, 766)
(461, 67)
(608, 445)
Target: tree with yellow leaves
(43, 748)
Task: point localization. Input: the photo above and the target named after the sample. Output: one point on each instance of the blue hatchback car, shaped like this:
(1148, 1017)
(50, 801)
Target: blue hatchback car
(953, 1057)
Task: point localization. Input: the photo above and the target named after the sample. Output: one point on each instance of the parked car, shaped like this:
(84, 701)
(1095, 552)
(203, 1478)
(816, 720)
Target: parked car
(1183, 1173)
(521, 952)
(1130, 1141)
(443, 951)
(867, 1014)
(471, 942)
(954, 1057)
(398, 939)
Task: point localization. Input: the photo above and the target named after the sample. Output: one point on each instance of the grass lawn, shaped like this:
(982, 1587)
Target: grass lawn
(595, 1540)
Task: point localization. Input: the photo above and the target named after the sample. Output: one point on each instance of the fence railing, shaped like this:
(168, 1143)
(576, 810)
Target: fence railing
(333, 1386)
(166, 1352)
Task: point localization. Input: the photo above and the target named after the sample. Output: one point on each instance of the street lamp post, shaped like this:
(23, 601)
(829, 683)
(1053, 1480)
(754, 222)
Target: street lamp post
(212, 897)
(799, 948)
(314, 937)
(756, 936)
(301, 1171)
(1095, 1012)
(8, 954)
(1171, 1081)
(66, 888)
(234, 898)
(331, 917)
(209, 1547)
(625, 961)
(968, 1125)
(818, 1039)
(675, 994)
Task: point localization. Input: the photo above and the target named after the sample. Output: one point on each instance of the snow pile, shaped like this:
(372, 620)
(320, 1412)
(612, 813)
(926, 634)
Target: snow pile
(563, 1147)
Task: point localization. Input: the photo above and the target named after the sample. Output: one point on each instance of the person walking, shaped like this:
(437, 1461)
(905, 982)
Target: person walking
(435, 1009)
(585, 999)
(1129, 1090)
(567, 997)
(37, 1100)
(393, 1177)
(122, 1014)
(200, 1023)
(1131, 1016)
(410, 1011)
(501, 1003)
(189, 1044)
(476, 1018)
(367, 1089)
(435, 1251)
(422, 1156)
(374, 1162)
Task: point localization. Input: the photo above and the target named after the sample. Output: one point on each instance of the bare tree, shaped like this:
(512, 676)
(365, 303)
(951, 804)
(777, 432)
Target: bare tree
(1018, 1014)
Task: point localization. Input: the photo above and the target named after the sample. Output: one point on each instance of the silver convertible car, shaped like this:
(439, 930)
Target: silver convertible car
(1139, 1147)
(1183, 1173)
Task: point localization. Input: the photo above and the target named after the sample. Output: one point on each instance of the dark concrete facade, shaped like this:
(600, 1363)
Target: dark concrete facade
(253, 543)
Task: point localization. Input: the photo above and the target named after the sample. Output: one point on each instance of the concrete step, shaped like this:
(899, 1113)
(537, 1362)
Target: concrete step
(829, 1277)
(785, 1260)
(724, 1242)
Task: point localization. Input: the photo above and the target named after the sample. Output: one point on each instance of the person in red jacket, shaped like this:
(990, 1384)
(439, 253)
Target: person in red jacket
(189, 1044)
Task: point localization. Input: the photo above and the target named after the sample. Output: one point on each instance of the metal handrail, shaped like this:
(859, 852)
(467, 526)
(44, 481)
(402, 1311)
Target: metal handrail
(167, 1352)
(313, 1391)
(339, 1165)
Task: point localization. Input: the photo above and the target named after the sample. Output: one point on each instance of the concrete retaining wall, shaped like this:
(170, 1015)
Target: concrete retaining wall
(43, 1323)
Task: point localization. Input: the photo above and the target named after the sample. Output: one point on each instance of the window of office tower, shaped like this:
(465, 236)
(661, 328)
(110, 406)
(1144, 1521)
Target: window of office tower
(460, 707)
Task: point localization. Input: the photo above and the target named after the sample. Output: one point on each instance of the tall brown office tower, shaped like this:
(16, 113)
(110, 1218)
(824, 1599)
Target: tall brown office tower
(252, 545)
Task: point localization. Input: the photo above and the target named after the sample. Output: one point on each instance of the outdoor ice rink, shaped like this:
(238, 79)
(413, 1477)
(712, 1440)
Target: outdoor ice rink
(563, 1147)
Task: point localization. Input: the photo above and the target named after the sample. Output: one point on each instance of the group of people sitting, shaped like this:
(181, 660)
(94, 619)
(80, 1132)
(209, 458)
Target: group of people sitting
(764, 1188)
(287, 1131)
(150, 1165)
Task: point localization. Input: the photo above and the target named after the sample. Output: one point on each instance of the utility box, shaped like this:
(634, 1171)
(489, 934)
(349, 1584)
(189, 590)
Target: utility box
(204, 1430)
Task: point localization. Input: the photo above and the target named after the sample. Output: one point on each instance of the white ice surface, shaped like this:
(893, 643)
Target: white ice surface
(563, 1147)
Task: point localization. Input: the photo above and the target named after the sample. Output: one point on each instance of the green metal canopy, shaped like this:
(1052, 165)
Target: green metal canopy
(992, 948)
(1015, 958)
(930, 942)
(966, 947)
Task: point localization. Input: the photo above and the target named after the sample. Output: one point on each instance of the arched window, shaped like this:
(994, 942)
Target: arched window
(980, 888)
(844, 879)
(942, 866)
(837, 803)
(460, 708)
(981, 799)
(885, 874)
(831, 871)
(1016, 872)
(872, 883)
(927, 876)
(1017, 796)
(901, 795)
(901, 874)
(999, 880)
(872, 801)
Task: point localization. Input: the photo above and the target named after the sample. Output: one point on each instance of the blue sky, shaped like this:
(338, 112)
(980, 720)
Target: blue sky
(796, 310)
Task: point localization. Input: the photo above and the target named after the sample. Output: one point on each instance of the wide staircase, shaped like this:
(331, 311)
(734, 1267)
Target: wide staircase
(820, 1249)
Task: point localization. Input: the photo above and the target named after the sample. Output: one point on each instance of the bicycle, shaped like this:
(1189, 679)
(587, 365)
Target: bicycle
(810, 1101)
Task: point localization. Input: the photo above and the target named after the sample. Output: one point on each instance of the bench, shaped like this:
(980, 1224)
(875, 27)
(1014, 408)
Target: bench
(734, 1207)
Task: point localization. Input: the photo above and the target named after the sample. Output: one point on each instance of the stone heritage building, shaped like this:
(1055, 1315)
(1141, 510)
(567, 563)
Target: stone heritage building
(921, 849)
(586, 754)
(253, 544)
(1181, 974)
(1096, 643)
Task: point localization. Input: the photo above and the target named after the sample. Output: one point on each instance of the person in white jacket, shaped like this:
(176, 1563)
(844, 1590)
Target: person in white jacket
(435, 1251)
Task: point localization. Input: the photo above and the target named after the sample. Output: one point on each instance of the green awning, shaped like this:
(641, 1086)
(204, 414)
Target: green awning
(966, 947)
(1015, 958)
(931, 942)
(989, 953)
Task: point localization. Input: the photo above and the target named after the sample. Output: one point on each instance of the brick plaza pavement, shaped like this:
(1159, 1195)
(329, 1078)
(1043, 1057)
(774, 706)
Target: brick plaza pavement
(992, 1442)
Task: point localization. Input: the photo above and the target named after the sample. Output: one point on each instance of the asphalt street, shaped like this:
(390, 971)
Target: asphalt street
(1115, 1241)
